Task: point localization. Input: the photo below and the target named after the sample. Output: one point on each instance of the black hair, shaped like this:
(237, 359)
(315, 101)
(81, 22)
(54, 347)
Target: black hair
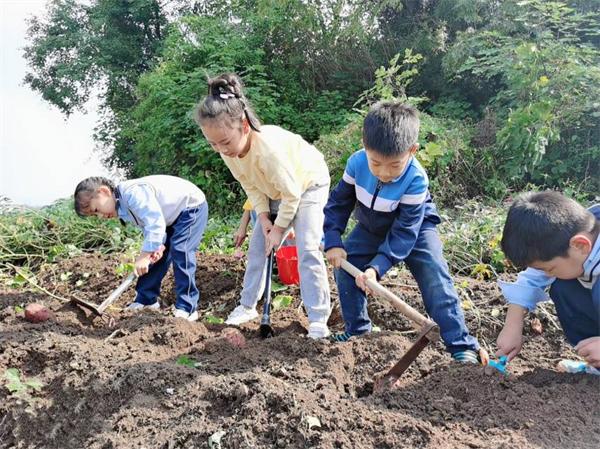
(540, 225)
(391, 128)
(86, 190)
(226, 102)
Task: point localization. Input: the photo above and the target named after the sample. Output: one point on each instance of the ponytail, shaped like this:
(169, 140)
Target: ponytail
(226, 102)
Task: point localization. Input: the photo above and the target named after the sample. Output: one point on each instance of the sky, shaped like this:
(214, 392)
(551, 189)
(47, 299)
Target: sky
(43, 155)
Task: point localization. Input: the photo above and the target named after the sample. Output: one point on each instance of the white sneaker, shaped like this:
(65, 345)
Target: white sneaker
(241, 314)
(137, 306)
(318, 330)
(188, 316)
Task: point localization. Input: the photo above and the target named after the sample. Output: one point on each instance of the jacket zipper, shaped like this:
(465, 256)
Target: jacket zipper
(377, 189)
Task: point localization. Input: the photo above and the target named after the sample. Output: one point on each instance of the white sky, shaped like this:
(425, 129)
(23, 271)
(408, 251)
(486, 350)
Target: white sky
(42, 155)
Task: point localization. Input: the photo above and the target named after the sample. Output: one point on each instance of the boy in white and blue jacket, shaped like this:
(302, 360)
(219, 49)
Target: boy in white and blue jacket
(557, 239)
(172, 213)
(388, 190)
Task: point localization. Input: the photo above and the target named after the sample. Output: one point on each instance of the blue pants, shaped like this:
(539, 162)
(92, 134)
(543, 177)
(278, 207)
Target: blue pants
(578, 309)
(183, 238)
(429, 269)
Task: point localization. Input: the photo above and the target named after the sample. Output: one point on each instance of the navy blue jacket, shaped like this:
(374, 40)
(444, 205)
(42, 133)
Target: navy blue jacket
(395, 210)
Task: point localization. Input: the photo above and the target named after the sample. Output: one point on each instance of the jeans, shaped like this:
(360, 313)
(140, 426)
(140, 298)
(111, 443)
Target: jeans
(183, 238)
(429, 269)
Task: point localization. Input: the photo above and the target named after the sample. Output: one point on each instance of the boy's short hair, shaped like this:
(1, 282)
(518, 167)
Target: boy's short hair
(540, 225)
(86, 190)
(391, 128)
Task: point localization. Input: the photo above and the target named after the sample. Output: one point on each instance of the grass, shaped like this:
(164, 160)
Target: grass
(32, 237)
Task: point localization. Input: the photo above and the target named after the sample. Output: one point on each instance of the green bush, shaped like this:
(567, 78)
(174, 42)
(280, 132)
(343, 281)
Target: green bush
(30, 237)
(442, 139)
(538, 57)
(471, 234)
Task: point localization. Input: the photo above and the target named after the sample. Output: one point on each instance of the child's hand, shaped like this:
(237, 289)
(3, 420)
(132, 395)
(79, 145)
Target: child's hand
(157, 255)
(361, 279)
(273, 240)
(589, 349)
(335, 256)
(239, 236)
(265, 224)
(142, 263)
(509, 342)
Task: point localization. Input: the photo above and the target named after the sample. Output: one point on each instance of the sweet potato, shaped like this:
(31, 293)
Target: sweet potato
(234, 337)
(36, 313)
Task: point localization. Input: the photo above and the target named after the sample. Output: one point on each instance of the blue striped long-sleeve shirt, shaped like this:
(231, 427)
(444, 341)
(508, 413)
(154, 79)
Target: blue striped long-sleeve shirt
(154, 202)
(394, 210)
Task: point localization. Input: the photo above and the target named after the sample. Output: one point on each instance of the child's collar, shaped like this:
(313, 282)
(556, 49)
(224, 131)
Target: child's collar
(591, 266)
(117, 196)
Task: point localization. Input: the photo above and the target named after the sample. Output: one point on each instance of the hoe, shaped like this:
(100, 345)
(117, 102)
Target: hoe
(428, 330)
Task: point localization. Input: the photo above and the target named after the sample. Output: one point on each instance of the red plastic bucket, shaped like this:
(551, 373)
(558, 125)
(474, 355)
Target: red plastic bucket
(287, 265)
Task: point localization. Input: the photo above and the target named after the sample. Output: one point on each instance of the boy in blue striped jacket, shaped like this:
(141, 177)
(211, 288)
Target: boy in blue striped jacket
(388, 190)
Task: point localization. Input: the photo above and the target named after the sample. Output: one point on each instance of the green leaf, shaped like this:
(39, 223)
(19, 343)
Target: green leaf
(276, 287)
(14, 384)
(17, 386)
(34, 384)
(186, 361)
(124, 268)
(282, 301)
(19, 309)
(12, 375)
(211, 319)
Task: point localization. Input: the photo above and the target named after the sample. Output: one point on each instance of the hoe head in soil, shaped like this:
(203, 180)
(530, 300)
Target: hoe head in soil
(100, 309)
(428, 330)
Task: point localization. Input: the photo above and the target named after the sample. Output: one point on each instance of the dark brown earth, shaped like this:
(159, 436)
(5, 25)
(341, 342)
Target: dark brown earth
(123, 387)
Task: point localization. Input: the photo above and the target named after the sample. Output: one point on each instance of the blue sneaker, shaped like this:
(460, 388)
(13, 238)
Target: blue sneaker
(340, 337)
(466, 356)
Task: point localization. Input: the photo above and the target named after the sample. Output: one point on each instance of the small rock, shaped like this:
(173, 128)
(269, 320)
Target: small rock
(170, 391)
(241, 391)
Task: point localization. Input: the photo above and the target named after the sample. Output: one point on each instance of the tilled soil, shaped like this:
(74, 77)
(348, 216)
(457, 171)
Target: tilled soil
(128, 386)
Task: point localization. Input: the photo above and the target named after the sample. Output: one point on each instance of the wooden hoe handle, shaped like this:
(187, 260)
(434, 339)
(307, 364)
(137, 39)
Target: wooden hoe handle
(411, 313)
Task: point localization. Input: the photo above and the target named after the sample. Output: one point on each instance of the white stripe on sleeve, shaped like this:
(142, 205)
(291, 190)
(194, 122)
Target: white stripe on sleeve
(413, 199)
(348, 179)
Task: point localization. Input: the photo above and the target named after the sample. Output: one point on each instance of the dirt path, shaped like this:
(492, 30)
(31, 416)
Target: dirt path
(123, 387)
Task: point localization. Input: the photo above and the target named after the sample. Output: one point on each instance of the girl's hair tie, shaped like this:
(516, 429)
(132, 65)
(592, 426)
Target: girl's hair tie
(224, 94)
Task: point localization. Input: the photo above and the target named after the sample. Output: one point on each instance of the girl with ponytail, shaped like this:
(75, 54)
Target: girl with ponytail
(284, 177)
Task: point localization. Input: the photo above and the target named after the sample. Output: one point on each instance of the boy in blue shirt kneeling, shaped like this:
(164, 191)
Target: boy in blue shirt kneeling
(388, 189)
(172, 213)
(558, 240)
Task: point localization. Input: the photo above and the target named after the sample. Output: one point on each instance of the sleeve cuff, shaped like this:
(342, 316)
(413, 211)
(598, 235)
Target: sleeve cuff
(152, 242)
(381, 264)
(522, 295)
(150, 247)
(332, 239)
(282, 222)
